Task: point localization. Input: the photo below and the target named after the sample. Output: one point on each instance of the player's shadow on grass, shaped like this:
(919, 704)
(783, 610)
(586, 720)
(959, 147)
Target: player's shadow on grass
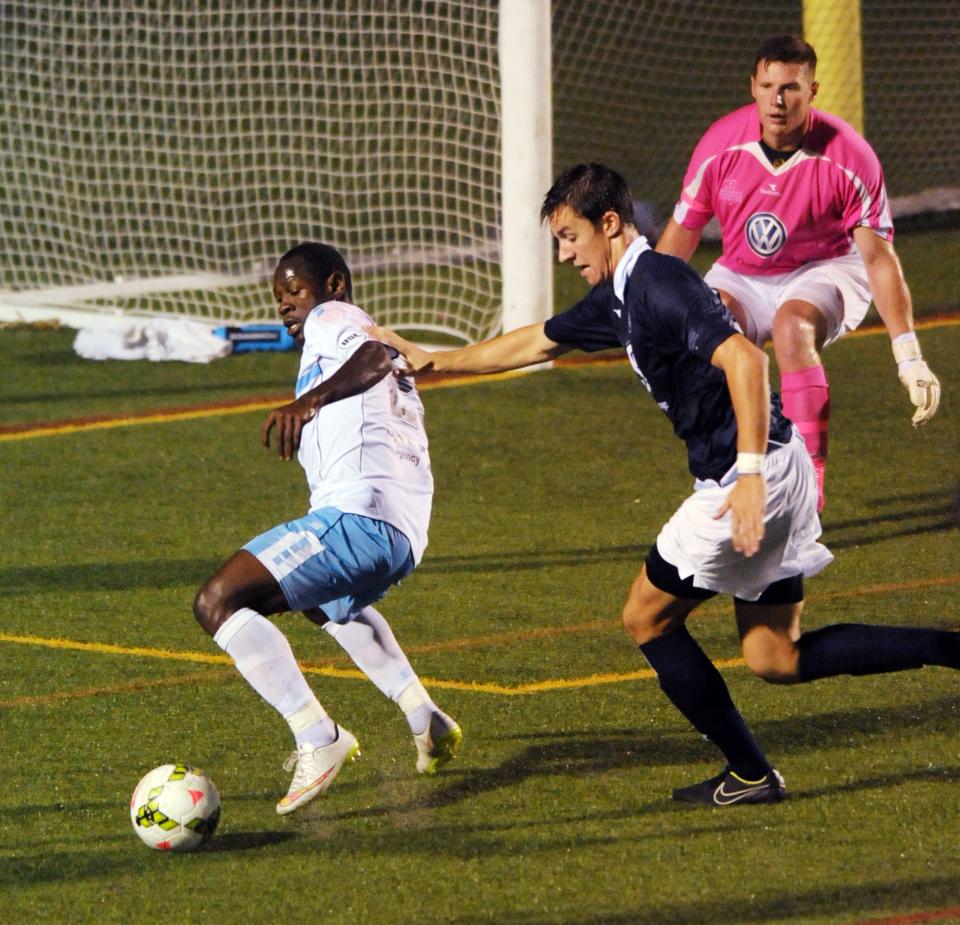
(108, 576)
(841, 727)
(176, 573)
(69, 810)
(522, 560)
(573, 752)
(901, 515)
(60, 866)
(878, 782)
(581, 753)
(929, 899)
(576, 753)
(246, 841)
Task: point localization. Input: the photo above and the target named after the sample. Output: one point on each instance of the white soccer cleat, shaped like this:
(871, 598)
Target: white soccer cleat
(316, 769)
(438, 743)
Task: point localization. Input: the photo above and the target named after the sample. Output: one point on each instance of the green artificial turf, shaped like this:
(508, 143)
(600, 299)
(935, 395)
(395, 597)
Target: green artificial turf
(550, 488)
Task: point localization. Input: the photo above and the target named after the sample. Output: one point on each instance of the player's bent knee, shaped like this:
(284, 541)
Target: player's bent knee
(798, 331)
(639, 628)
(650, 613)
(775, 665)
(642, 623)
(210, 606)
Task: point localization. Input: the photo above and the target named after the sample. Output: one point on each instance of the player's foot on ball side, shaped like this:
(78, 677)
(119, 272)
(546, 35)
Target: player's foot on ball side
(438, 743)
(316, 769)
(728, 789)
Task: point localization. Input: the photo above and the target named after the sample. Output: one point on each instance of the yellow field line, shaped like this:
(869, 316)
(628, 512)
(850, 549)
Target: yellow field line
(103, 648)
(158, 417)
(329, 671)
(641, 674)
(919, 324)
(163, 417)
(482, 687)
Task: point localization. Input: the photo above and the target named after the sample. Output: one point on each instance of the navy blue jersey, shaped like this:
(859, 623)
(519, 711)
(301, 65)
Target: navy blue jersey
(670, 323)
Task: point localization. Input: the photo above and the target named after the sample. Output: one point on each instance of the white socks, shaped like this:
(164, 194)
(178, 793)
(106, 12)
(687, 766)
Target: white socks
(264, 657)
(370, 642)
(417, 706)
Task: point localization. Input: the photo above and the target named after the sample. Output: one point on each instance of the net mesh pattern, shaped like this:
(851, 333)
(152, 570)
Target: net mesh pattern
(192, 140)
(189, 145)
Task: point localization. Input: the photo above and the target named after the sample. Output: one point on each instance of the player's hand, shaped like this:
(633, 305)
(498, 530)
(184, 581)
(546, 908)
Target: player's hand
(746, 503)
(924, 389)
(289, 421)
(418, 361)
(917, 378)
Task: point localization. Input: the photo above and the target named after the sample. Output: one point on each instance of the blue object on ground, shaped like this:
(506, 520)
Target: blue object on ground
(247, 337)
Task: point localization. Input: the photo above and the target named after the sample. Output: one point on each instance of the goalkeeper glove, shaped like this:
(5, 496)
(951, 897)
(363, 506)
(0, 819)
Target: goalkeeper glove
(916, 376)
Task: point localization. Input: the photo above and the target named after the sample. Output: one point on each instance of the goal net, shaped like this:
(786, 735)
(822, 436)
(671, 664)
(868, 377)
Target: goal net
(158, 158)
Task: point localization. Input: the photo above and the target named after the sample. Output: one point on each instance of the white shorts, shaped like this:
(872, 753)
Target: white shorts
(838, 287)
(696, 544)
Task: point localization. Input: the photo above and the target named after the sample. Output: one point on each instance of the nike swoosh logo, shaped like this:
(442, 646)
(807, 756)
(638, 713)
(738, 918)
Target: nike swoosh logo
(724, 797)
(291, 797)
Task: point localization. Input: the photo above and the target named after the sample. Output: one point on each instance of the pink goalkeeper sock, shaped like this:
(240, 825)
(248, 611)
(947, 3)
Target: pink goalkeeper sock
(806, 401)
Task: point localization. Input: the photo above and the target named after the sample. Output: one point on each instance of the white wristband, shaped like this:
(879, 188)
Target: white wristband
(906, 348)
(749, 463)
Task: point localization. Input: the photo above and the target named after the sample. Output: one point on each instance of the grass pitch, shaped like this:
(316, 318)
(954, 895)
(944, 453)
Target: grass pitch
(550, 488)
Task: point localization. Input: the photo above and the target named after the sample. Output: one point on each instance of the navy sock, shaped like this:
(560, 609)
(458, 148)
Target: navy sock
(698, 691)
(857, 648)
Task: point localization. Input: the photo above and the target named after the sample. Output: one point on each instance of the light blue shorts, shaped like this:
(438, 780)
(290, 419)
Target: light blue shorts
(338, 562)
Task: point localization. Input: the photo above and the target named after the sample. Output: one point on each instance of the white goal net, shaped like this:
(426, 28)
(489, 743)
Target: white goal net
(158, 158)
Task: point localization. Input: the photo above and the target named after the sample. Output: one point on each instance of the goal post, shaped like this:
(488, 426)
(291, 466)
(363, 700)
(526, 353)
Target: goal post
(526, 126)
(833, 28)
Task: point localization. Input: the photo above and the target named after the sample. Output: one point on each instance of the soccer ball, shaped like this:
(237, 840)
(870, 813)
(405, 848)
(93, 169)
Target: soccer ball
(175, 808)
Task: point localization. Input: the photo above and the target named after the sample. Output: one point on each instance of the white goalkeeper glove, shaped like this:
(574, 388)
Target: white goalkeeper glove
(917, 378)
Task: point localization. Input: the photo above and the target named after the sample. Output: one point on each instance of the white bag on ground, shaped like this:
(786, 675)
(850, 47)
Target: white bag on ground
(150, 339)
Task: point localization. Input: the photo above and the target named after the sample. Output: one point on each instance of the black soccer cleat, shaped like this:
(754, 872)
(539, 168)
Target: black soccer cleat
(727, 789)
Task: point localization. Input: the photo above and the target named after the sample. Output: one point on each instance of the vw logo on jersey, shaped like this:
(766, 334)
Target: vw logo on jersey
(765, 234)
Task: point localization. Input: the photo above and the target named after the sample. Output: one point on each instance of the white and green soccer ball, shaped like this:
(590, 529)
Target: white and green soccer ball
(175, 808)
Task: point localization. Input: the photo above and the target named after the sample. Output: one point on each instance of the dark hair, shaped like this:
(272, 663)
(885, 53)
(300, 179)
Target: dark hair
(315, 262)
(787, 49)
(592, 190)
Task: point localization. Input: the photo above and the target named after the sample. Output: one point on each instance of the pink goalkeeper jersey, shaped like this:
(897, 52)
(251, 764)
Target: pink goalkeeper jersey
(775, 219)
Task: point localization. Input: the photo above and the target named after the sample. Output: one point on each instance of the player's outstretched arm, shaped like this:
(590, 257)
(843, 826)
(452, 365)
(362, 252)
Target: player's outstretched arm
(678, 241)
(892, 298)
(525, 346)
(746, 368)
(369, 363)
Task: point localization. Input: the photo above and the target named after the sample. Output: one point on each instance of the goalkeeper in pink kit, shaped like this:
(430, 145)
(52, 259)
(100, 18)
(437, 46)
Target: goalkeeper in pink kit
(807, 236)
